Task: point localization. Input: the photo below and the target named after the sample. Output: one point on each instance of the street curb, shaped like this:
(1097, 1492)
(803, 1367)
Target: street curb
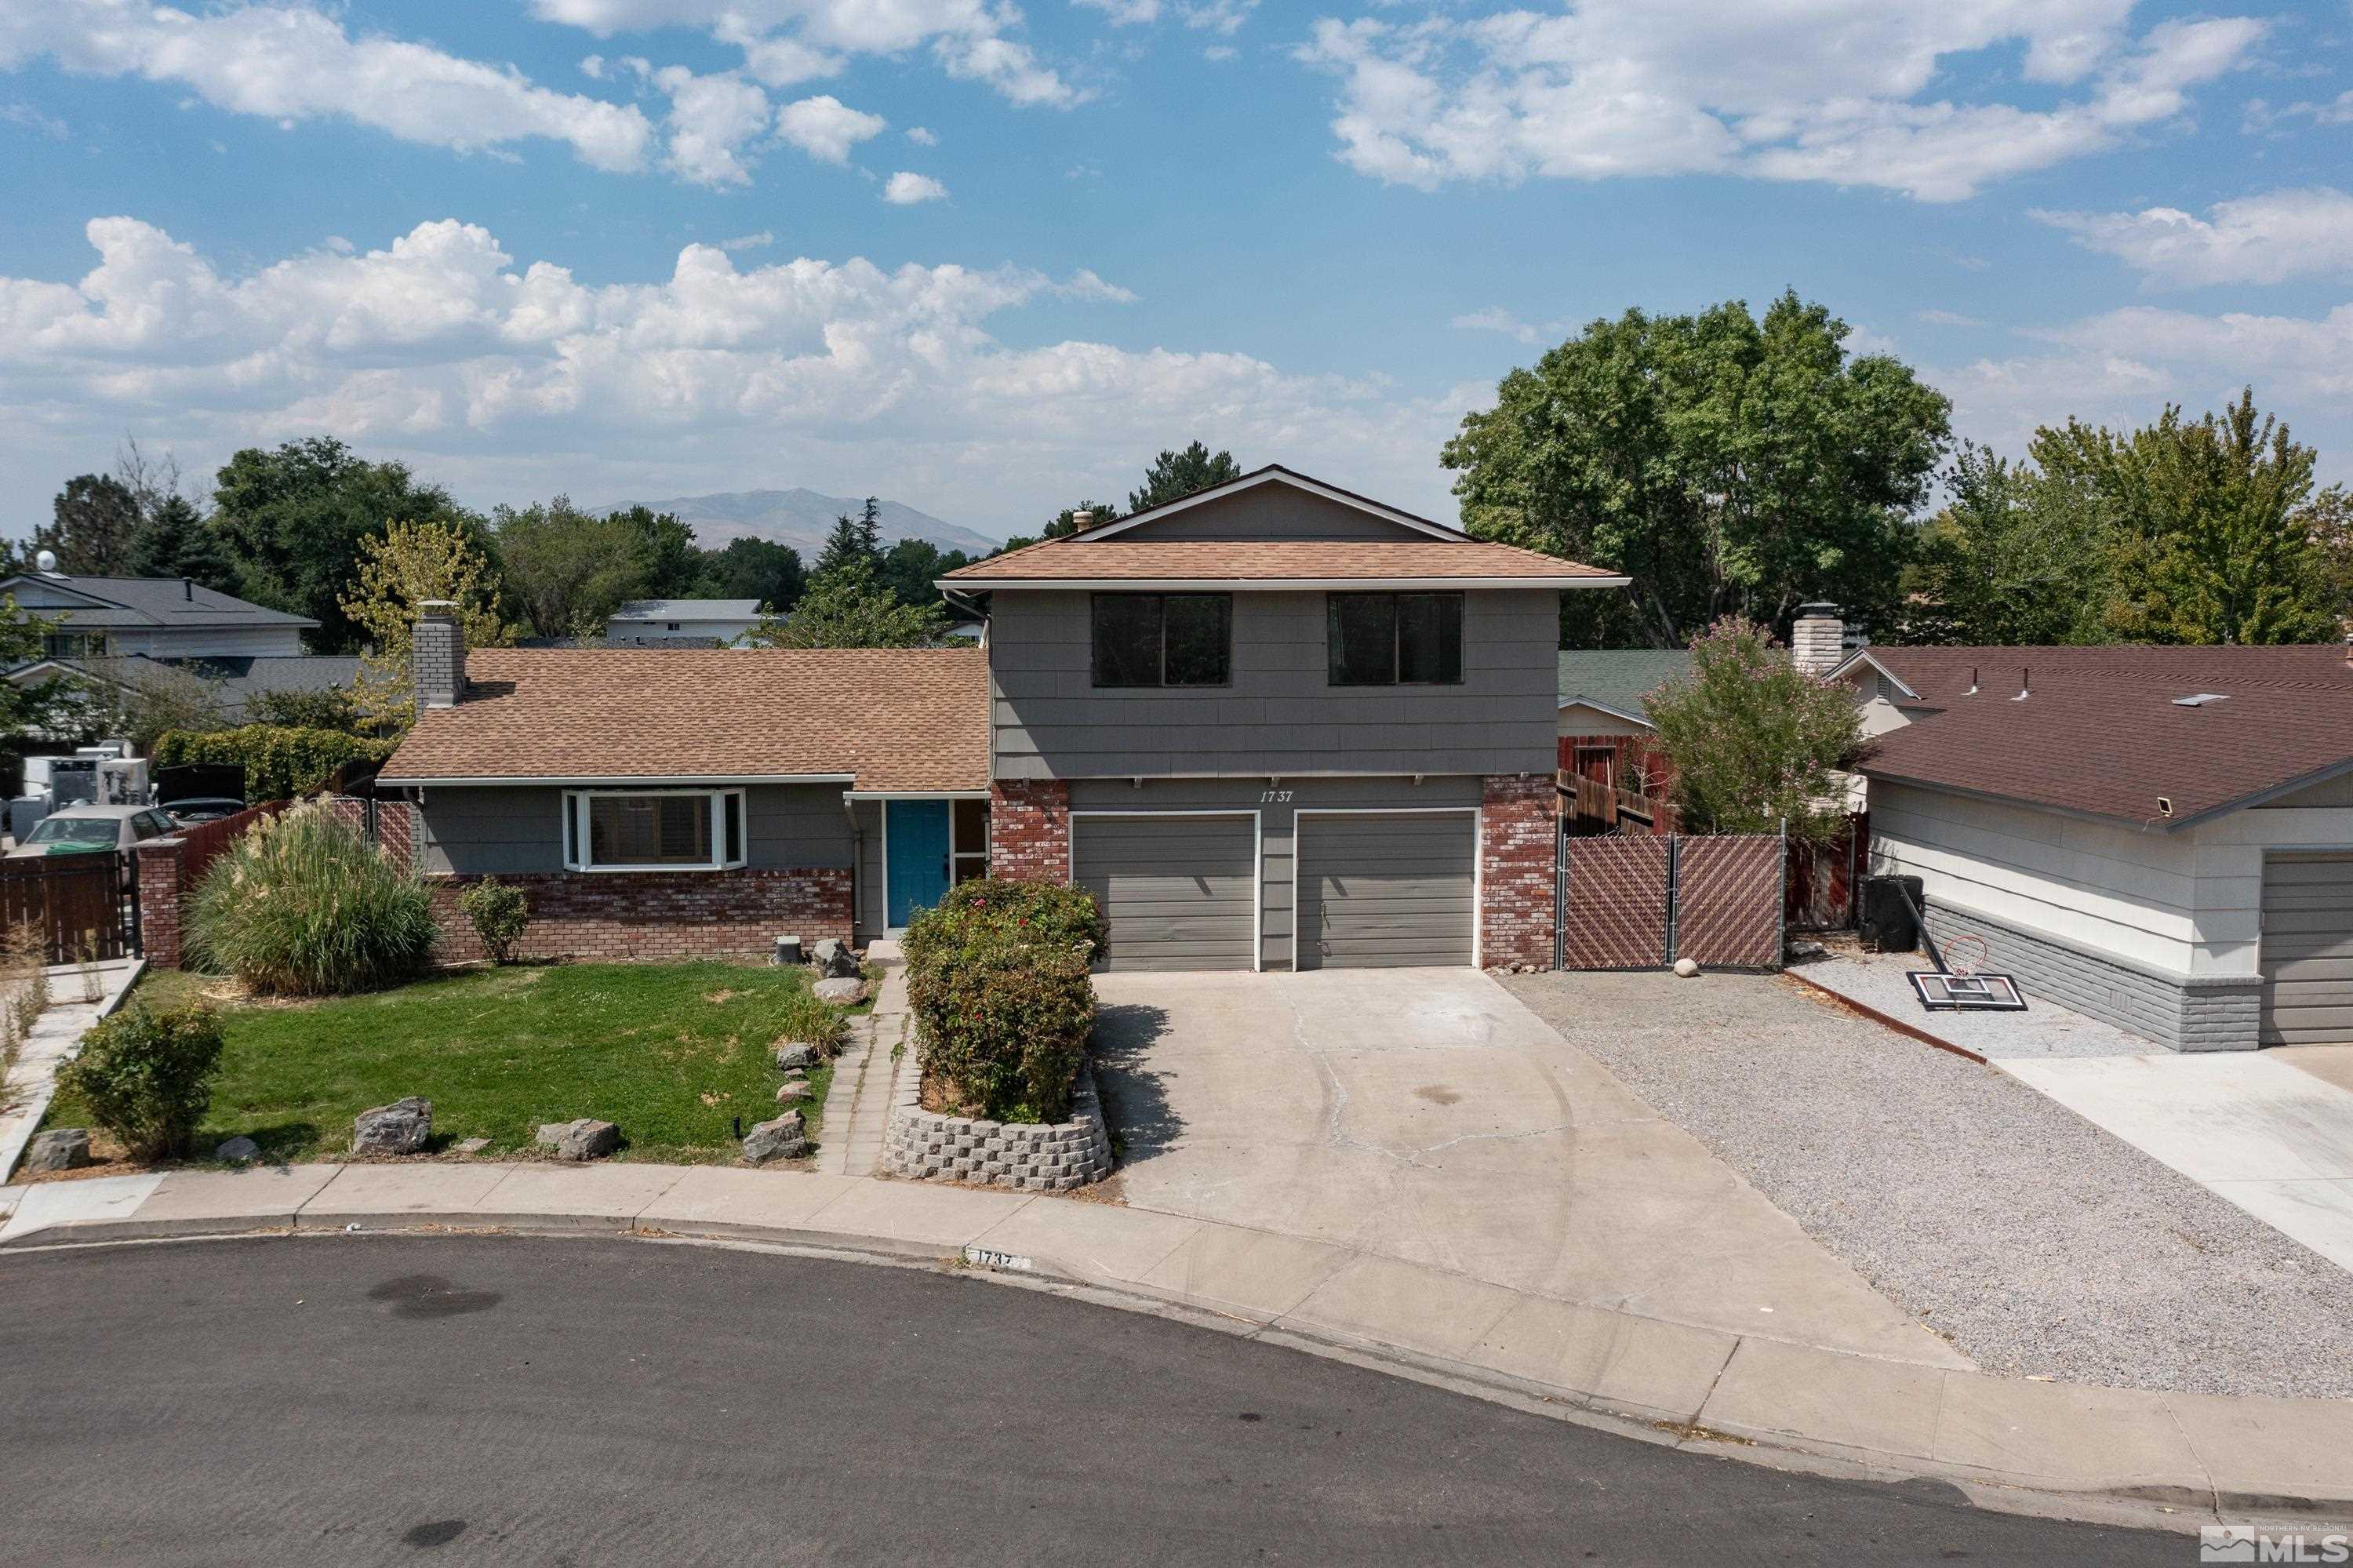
(1809, 1422)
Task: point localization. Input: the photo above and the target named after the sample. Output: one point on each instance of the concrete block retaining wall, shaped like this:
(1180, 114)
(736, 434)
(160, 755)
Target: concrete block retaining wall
(2188, 1013)
(1033, 1157)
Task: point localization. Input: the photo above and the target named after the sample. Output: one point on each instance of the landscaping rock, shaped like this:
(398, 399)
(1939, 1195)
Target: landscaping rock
(843, 993)
(587, 1139)
(59, 1149)
(792, 1091)
(800, 1053)
(469, 1145)
(401, 1127)
(833, 957)
(782, 1138)
(238, 1150)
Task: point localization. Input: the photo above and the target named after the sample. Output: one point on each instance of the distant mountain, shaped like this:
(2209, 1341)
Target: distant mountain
(802, 518)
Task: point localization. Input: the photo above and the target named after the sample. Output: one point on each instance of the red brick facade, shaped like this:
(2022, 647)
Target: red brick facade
(1516, 829)
(658, 914)
(1029, 829)
(163, 879)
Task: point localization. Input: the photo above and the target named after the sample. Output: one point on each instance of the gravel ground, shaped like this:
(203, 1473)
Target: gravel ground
(2046, 1029)
(2038, 1243)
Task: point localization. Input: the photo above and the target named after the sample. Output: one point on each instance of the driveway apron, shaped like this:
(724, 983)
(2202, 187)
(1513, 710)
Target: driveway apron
(1427, 1115)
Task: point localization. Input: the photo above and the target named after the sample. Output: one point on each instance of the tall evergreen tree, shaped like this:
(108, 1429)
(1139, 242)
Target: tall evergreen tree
(857, 538)
(1174, 475)
(173, 540)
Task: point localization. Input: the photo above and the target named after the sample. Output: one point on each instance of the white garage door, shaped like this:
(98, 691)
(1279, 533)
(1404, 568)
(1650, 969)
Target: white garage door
(1387, 889)
(2307, 953)
(1179, 892)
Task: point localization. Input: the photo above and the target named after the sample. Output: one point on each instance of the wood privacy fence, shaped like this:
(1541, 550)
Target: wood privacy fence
(1638, 901)
(83, 907)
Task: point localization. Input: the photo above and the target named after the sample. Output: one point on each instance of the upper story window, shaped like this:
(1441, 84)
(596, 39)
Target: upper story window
(73, 644)
(1164, 639)
(1396, 638)
(653, 829)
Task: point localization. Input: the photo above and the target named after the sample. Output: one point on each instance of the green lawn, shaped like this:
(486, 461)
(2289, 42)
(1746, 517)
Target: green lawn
(671, 1052)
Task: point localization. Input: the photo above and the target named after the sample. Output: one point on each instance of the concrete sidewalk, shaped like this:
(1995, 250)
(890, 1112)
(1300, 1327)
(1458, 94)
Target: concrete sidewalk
(79, 997)
(1744, 1395)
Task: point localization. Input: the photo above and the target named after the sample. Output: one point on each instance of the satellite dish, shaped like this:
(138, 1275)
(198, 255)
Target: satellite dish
(47, 562)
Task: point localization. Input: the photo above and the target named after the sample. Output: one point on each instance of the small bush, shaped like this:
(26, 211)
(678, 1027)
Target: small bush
(997, 978)
(147, 1076)
(301, 905)
(499, 913)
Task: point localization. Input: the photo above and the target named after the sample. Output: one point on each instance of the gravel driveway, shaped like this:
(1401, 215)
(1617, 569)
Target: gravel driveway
(2038, 1243)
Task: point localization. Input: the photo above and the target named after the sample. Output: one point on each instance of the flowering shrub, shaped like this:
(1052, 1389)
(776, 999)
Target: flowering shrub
(997, 978)
(303, 905)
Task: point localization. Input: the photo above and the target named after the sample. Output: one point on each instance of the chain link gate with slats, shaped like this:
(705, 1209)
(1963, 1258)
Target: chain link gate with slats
(1639, 902)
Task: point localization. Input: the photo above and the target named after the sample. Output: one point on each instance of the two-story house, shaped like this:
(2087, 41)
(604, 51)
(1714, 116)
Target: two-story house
(1274, 724)
(155, 617)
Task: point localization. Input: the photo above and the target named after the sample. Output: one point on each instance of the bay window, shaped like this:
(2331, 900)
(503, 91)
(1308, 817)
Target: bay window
(653, 829)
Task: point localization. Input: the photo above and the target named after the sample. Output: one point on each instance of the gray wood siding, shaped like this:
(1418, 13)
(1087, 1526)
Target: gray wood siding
(1386, 891)
(1280, 715)
(2307, 949)
(1277, 823)
(1268, 512)
(1177, 892)
(508, 831)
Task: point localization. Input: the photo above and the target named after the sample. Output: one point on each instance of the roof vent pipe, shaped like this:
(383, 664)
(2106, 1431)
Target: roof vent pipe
(2025, 684)
(2349, 648)
(1081, 521)
(1973, 682)
(188, 590)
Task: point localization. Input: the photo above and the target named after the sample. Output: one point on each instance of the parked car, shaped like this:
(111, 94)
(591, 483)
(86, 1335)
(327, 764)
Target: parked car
(93, 830)
(199, 809)
(200, 791)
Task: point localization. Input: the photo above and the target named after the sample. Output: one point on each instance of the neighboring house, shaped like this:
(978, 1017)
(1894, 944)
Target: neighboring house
(161, 618)
(693, 622)
(2159, 837)
(1605, 732)
(1274, 724)
(236, 681)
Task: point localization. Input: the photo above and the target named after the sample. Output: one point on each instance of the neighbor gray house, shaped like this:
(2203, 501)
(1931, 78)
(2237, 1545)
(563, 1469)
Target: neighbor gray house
(1274, 724)
(161, 618)
(689, 622)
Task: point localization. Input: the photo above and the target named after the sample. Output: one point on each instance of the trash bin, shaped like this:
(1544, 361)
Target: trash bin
(1889, 925)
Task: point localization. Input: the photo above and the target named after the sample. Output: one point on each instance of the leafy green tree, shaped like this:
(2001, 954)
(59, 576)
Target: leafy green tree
(1174, 475)
(2329, 517)
(567, 569)
(293, 518)
(409, 565)
(852, 606)
(2213, 532)
(673, 564)
(911, 567)
(2016, 558)
(92, 523)
(1726, 464)
(173, 540)
(1755, 741)
(44, 707)
(762, 570)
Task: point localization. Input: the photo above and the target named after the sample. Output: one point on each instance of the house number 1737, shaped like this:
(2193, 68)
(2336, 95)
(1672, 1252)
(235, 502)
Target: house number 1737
(1274, 796)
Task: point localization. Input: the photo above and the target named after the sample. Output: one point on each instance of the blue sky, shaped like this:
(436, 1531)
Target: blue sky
(986, 260)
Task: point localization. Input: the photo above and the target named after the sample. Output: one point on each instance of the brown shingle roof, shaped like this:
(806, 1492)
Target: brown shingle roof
(893, 718)
(1128, 558)
(2100, 730)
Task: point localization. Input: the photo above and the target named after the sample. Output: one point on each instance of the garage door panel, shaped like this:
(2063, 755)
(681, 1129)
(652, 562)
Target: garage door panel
(2307, 950)
(1178, 893)
(1387, 889)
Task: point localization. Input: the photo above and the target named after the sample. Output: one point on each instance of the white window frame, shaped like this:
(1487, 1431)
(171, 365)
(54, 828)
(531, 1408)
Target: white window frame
(575, 803)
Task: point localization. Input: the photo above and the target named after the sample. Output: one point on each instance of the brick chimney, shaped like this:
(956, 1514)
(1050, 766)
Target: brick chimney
(1818, 639)
(438, 655)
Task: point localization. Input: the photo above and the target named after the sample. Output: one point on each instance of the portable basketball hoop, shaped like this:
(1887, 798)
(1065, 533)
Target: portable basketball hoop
(1965, 955)
(1941, 992)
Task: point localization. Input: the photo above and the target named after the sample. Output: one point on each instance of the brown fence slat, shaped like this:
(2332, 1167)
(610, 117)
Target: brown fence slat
(1728, 901)
(1614, 903)
(80, 903)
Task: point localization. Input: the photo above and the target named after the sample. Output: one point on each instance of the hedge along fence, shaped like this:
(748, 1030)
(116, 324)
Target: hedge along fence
(278, 760)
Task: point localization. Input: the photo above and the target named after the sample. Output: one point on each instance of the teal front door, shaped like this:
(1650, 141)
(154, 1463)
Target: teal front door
(916, 857)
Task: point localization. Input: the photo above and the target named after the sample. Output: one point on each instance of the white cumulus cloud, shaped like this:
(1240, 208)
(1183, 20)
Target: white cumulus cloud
(906, 189)
(1839, 91)
(292, 63)
(2265, 238)
(711, 119)
(825, 128)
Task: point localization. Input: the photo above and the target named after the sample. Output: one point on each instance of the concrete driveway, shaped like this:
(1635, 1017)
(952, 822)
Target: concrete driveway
(1427, 1115)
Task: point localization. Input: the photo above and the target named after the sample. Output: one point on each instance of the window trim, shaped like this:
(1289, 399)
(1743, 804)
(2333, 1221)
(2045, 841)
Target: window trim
(1396, 639)
(572, 830)
(1162, 684)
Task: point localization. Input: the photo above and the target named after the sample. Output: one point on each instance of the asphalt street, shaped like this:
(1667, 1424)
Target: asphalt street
(371, 1399)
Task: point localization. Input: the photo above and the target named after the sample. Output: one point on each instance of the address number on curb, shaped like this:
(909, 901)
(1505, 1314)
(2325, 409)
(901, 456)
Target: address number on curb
(987, 1259)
